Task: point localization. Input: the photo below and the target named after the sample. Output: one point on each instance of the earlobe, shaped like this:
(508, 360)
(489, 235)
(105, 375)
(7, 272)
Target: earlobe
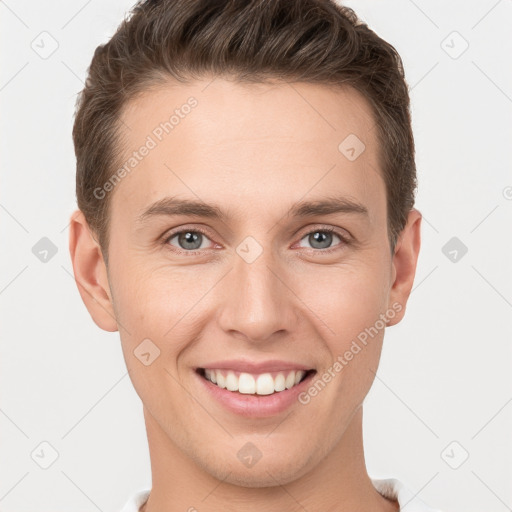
(404, 263)
(91, 273)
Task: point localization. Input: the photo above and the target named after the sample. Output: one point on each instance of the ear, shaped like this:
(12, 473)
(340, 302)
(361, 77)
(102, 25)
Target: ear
(91, 273)
(404, 263)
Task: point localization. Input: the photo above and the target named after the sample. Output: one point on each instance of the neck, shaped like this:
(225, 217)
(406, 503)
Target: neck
(339, 483)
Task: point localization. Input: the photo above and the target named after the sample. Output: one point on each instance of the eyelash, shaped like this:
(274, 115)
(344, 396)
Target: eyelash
(168, 237)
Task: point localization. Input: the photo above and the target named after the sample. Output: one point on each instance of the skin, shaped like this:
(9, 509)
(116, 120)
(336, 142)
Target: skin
(255, 150)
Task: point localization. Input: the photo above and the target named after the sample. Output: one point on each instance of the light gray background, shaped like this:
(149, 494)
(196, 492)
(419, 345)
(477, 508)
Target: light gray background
(445, 373)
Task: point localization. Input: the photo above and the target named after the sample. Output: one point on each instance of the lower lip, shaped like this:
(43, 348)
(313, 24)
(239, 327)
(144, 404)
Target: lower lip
(256, 406)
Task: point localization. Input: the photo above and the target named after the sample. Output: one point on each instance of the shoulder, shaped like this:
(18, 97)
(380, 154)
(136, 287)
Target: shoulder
(395, 489)
(136, 501)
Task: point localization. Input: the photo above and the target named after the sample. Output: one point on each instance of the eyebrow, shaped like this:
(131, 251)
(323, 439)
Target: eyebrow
(172, 206)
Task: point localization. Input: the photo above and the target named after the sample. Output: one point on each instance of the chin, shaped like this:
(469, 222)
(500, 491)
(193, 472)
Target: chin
(267, 472)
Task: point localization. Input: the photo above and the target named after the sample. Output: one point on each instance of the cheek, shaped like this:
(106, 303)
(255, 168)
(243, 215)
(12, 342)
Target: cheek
(345, 301)
(153, 311)
(166, 306)
(348, 304)
(347, 307)
(146, 298)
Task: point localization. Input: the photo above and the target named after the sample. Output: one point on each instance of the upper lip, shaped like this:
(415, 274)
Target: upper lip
(244, 365)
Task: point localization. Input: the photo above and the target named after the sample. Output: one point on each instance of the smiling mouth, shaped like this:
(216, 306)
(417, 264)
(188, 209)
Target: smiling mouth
(268, 383)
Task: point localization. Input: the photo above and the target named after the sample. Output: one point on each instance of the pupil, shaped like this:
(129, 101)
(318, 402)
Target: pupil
(322, 237)
(189, 240)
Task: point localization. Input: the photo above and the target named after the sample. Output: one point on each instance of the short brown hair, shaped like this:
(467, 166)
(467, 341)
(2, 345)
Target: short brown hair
(314, 41)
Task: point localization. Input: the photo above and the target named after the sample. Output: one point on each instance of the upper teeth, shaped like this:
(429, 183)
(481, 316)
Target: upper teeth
(262, 384)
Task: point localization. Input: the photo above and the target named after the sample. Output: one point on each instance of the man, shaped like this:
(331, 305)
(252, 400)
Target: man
(245, 183)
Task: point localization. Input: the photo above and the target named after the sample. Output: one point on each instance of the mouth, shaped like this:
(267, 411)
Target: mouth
(243, 383)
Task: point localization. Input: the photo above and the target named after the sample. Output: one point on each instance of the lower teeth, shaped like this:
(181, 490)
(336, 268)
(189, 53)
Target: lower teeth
(251, 394)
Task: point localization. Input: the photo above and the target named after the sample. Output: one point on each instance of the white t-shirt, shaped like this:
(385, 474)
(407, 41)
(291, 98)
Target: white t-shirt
(388, 487)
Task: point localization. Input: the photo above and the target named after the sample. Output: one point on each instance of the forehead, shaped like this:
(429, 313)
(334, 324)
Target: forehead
(269, 144)
(233, 109)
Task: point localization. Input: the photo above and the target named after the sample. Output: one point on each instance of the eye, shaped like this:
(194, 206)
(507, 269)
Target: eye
(188, 240)
(194, 241)
(321, 239)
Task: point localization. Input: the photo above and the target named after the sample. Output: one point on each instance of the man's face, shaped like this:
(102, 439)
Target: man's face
(257, 284)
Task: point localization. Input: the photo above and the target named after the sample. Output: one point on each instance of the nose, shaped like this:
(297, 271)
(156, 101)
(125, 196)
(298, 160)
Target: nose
(258, 303)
